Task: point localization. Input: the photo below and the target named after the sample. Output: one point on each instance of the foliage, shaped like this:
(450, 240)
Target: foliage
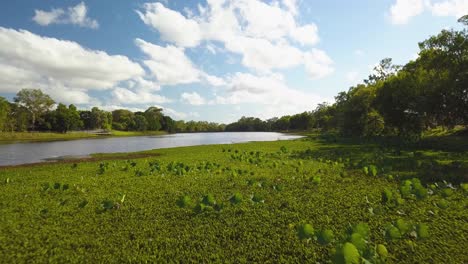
(186, 206)
(36, 102)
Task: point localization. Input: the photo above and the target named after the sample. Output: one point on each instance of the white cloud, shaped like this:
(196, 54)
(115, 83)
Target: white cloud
(318, 65)
(179, 115)
(61, 68)
(261, 32)
(306, 35)
(403, 10)
(141, 83)
(76, 15)
(141, 96)
(192, 98)
(172, 25)
(291, 5)
(456, 8)
(64, 61)
(169, 64)
(262, 55)
(213, 80)
(267, 92)
(45, 18)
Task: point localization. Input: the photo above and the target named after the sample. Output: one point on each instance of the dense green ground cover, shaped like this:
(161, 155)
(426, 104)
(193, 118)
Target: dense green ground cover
(287, 201)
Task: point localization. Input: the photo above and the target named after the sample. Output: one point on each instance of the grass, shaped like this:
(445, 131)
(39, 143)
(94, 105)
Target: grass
(284, 201)
(8, 137)
(117, 133)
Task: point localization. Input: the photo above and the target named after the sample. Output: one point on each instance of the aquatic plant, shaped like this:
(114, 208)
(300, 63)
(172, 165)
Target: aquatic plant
(184, 201)
(236, 198)
(325, 236)
(209, 200)
(305, 231)
(422, 230)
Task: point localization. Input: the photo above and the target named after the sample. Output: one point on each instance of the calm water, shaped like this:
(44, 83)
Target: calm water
(21, 153)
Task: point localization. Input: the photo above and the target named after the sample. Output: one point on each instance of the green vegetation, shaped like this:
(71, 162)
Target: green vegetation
(32, 110)
(301, 201)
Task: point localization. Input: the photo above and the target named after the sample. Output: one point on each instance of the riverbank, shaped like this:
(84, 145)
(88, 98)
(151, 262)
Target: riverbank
(8, 137)
(295, 201)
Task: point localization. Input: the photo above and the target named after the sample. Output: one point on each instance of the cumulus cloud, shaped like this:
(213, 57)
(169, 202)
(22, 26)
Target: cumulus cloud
(172, 26)
(456, 8)
(262, 33)
(403, 10)
(171, 66)
(140, 96)
(318, 64)
(180, 115)
(63, 68)
(269, 92)
(291, 5)
(192, 98)
(76, 15)
(168, 64)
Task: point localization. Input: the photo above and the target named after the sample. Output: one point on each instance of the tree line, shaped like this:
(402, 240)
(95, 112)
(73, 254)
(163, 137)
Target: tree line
(33, 110)
(395, 100)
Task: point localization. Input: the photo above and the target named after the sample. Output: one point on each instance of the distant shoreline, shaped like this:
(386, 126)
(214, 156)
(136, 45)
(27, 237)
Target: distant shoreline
(16, 137)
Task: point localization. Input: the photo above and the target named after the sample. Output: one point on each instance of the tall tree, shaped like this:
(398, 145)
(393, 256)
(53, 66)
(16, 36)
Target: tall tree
(4, 113)
(382, 71)
(140, 123)
(123, 119)
(36, 102)
(154, 117)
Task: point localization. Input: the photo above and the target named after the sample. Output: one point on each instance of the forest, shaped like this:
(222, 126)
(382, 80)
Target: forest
(395, 100)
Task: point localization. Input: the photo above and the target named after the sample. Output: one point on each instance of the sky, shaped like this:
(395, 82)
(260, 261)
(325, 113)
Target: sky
(213, 60)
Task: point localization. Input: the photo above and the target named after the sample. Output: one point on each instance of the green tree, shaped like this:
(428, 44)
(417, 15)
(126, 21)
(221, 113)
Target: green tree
(36, 102)
(123, 119)
(65, 119)
(100, 119)
(140, 123)
(463, 20)
(19, 118)
(4, 113)
(168, 124)
(382, 71)
(154, 117)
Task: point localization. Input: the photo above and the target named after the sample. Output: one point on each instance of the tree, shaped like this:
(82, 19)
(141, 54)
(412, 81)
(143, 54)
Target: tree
(168, 124)
(100, 119)
(123, 119)
(154, 117)
(382, 71)
(65, 119)
(85, 117)
(36, 102)
(75, 120)
(140, 123)
(463, 20)
(4, 113)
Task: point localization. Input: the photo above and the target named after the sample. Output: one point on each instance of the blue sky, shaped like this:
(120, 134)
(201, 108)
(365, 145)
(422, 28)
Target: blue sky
(214, 60)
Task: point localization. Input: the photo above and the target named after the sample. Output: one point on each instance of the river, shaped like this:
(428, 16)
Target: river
(32, 152)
